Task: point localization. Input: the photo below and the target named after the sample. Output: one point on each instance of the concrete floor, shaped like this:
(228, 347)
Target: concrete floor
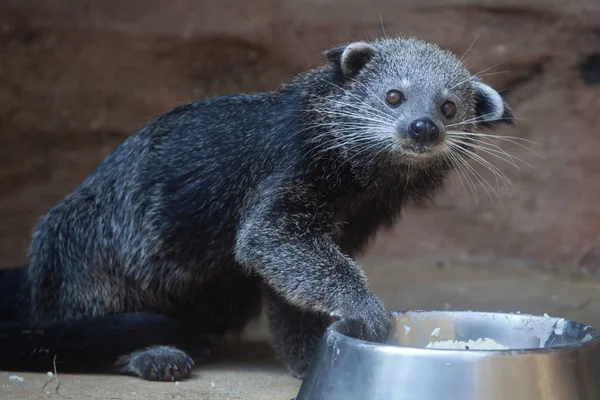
(249, 372)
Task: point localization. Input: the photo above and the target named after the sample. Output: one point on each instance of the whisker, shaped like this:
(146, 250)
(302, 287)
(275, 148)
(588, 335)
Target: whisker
(494, 73)
(346, 139)
(449, 155)
(387, 147)
(343, 127)
(486, 164)
(475, 74)
(482, 146)
(490, 151)
(350, 106)
(345, 91)
(357, 129)
(501, 137)
(356, 117)
(347, 136)
(382, 27)
(347, 107)
(495, 171)
(347, 143)
(509, 139)
(491, 147)
(373, 93)
(485, 150)
(468, 49)
(470, 120)
(484, 183)
(339, 106)
(350, 94)
(487, 69)
(457, 144)
(460, 163)
(363, 150)
(482, 118)
(489, 140)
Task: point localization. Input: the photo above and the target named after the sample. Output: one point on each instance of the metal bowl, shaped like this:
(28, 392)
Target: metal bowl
(546, 359)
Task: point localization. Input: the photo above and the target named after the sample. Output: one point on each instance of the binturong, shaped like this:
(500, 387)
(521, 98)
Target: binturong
(222, 206)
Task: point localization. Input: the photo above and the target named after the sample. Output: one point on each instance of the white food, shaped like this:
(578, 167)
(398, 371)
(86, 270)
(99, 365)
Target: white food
(479, 344)
(406, 329)
(436, 332)
(15, 378)
(559, 329)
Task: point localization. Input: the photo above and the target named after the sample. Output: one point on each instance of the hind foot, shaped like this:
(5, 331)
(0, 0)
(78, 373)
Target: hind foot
(157, 363)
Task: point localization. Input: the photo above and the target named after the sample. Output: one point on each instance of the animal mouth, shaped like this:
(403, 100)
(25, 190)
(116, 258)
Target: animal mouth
(422, 153)
(420, 149)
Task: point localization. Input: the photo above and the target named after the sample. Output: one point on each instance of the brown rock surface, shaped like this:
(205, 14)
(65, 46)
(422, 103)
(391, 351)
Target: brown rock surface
(76, 77)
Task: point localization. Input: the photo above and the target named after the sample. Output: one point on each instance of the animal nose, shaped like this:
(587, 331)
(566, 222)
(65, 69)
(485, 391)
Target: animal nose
(423, 130)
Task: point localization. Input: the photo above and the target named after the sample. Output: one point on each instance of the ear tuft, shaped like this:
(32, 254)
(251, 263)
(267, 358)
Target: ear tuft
(490, 108)
(350, 58)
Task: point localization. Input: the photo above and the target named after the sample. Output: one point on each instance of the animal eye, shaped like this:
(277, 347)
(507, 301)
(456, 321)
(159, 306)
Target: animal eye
(394, 97)
(449, 109)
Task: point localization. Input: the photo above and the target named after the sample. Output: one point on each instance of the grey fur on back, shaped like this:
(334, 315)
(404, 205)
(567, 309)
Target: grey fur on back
(220, 204)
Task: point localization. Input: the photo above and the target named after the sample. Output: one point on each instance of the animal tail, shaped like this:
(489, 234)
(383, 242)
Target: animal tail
(90, 344)
(13, 294)
(87, 345)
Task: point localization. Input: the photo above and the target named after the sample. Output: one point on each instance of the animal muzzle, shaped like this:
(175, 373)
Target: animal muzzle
(423, 131)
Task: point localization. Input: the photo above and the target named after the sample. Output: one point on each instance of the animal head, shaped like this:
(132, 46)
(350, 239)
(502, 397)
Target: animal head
(409, 99)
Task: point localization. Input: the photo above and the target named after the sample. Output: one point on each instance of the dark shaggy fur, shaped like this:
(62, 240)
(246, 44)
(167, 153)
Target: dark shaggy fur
(178, 235)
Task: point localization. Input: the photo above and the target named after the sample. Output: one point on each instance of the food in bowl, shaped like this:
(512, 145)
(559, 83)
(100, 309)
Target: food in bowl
(479, 344)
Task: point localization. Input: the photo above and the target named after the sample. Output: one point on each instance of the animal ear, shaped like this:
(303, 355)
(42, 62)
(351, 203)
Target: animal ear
(350, 58)
(490, 108)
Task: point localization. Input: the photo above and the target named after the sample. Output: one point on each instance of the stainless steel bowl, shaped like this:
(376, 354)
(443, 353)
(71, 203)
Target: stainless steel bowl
(547, 359)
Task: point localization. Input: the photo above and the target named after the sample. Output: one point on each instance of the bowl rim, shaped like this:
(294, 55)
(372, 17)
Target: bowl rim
(334, 329)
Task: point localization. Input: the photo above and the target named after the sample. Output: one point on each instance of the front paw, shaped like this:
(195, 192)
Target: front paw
(368, 320)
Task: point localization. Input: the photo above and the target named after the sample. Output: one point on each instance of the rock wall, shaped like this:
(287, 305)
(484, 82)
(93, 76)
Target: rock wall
(77, 77)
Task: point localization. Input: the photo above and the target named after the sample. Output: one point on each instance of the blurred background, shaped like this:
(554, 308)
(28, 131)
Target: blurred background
(78, 76)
